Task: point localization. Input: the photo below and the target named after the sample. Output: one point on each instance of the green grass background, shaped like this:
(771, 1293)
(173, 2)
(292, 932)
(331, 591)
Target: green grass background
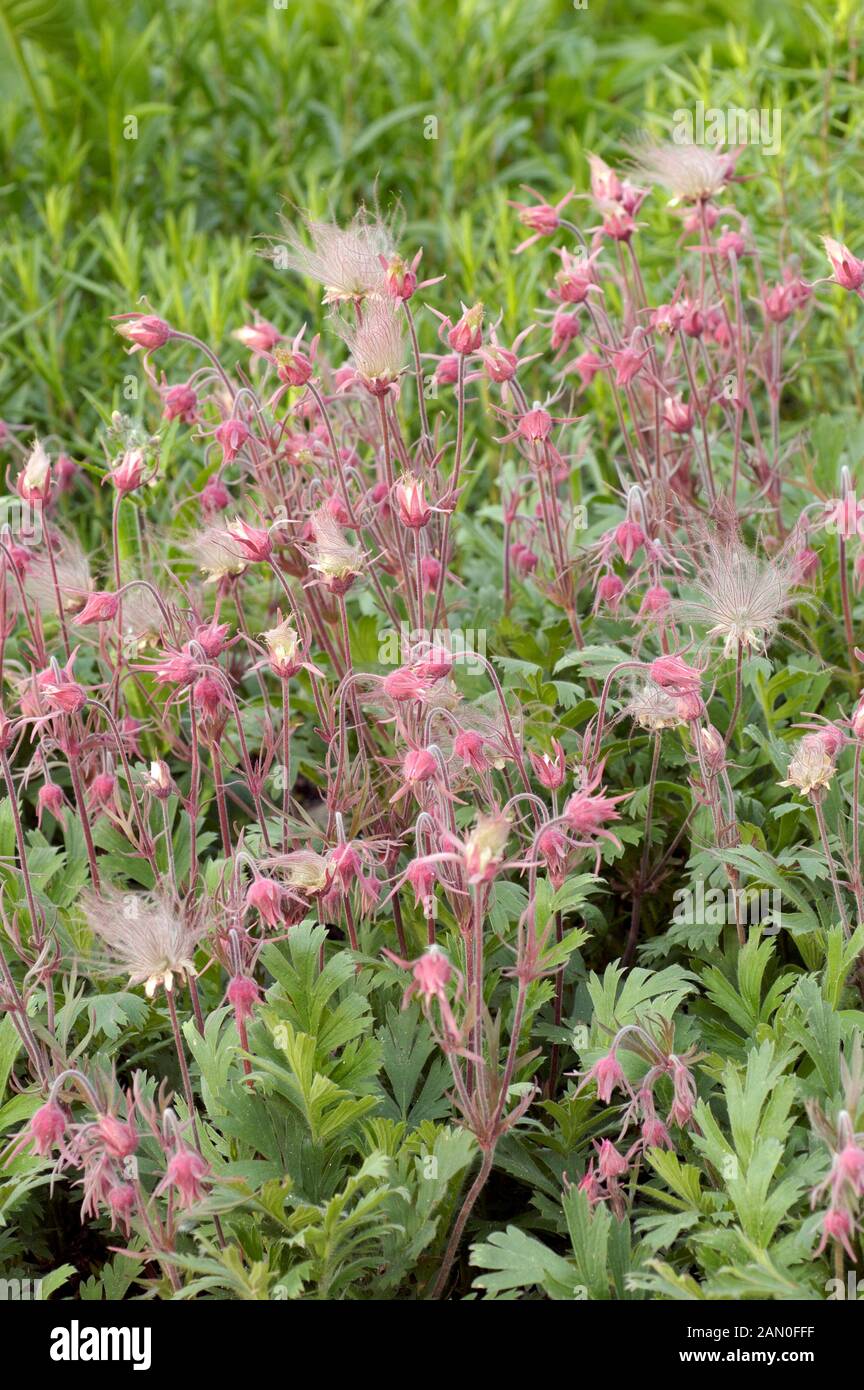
(244, 104)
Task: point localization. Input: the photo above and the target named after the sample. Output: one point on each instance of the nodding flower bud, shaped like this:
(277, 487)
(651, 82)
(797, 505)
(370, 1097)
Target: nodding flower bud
(144, 331)
(467, 334)
(435, 664)
(50, 798)
(806, 563)
(294, 367)
(609, 590)
(120, 1138)
(47, 1127)
(243, 994)
(550, 771)
(185, 1172)
(414, 510)
(524, 558)
(856, 723)
(103, 790)
(730, 242)
(231, 435)
(421, 875)
(848, 270)
(214, 497)
(400, 276)
(535, 425)
(259, 336)
(587, 364)
(677, 414)
(160, 783)
(628, 538)
(405, 683)
(468, 745)
(447, 371)
(607, 1073)
(610, 1163)
(689, 706)
(655, 602)
(627, 362)
(713, 748)
(99, 608)
(33, 483)
(673, 674)
(419, 765)
(129, 472)
(265, 895)
(254, 542)
(179, 403)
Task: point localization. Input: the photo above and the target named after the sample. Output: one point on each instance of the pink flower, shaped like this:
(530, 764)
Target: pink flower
(418, 766)
(850, 1166)
(678, 414)
(628, 537)
(99, 608)
(468, 745)
(673, 674)
(243, 994)
(143, 331)
(587, 364)
(575, 279)
(627, 362)
(404, 684)
(119, 1137)
(50, 798)
(294, 367)
(848, 270)
(179, 403)
(608, 1073)
(837, 1225)
(587, 812)
(121, 1201)
(103, 790)
(186, 1171)
(59, 689)
(128, 474)
(421, 875)
(214, 496)
(47, 1128)
(265, 895)
(655, 600)
(466, 335)
(447, 371)
(610, 1163)
(260, 337)
(535, 425)
(550, 772)
(685, 1094)
(231, 435)
(254, 542)
(609, 590)
(542, 218)
(778, 303)
(432, 973)
(414, 511)
(209, 696)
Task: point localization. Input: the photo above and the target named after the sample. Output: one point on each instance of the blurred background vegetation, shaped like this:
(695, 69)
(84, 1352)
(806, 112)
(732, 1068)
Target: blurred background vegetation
(241, 106)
